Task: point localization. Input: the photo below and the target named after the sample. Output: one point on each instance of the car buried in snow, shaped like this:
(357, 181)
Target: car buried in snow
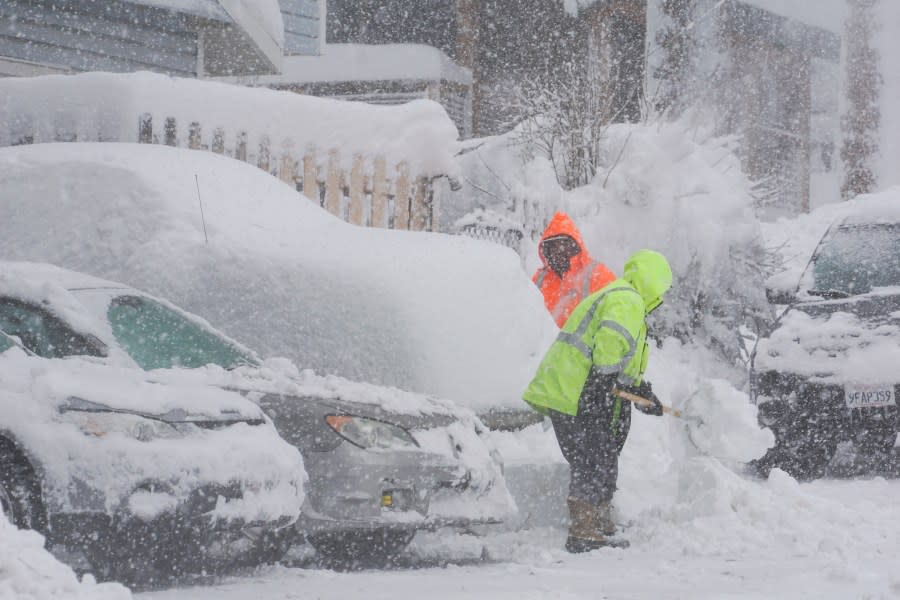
(382, 463)
(142, 479)
(826, 377)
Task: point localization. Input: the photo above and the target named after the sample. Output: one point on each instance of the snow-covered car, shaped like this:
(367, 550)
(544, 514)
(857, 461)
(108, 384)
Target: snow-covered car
(143, 477)
(438, 314)
(826, 378)
(382, 463)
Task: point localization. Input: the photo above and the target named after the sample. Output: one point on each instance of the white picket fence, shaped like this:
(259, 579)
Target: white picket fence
(364, 165)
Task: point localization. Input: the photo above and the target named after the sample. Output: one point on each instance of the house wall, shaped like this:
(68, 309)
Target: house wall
(86, 35)
(767, 98)
(614, 37)
(302, 26)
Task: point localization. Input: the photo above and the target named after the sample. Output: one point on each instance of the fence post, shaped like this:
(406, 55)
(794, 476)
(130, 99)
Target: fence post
(311, 177)
(145, 129)
(287, 171)
(240, 149)
(419, 209)
(379, 216)
(218, 141)
(263, 159)
(333, 185)
(358, 212)
(401, 199)
(194, 136)
(170, 138)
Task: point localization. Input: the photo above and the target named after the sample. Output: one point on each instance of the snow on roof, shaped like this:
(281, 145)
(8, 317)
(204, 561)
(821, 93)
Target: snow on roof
(261, 19)
(573, 6)
(208, 9)
(366, 62)
(109, 106)
(826, 14)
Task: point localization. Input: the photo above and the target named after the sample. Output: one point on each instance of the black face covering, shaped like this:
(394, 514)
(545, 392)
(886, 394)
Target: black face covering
(559, 252)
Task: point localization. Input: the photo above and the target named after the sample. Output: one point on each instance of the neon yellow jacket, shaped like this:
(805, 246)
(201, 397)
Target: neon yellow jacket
(607, 332)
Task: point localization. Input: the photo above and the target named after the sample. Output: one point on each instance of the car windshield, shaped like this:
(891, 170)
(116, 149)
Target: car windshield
(856, 259)
(157, 337)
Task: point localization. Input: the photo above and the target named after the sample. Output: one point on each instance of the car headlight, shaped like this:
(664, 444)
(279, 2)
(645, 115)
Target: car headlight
(370, 433)
(100, 424)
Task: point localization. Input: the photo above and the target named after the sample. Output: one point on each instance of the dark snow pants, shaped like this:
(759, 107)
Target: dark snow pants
(592, 440)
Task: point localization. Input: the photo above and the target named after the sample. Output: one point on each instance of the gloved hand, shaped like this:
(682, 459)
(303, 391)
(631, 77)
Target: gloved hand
(645, 390)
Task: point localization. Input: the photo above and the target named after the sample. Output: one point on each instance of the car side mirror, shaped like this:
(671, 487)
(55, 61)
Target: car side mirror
(782, 296)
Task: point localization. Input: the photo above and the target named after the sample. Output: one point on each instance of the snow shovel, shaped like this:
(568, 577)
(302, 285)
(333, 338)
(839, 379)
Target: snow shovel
(666, 409)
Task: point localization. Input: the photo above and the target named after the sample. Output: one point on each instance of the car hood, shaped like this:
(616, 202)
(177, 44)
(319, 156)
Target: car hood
(77, 384)
(280, 378)
(854, 339)
(320, 407)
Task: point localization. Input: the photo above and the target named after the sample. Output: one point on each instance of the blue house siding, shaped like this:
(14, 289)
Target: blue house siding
(89, 35)
(301, 26)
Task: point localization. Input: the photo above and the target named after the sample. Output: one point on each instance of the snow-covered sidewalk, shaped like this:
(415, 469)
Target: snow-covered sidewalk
(856, 559)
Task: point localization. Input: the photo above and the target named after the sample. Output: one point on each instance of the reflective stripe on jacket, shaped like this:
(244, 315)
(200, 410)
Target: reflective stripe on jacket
(606, 331)
(584, 277)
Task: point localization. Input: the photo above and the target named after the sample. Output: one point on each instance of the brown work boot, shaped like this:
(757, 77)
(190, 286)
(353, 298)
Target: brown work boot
(590, 527)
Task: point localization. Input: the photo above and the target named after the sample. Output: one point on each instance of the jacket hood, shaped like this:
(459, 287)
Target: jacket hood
(562, 224)
(650, 274)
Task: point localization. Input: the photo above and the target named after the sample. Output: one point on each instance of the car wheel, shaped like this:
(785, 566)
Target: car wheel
(273, 546)
(375, 547)
(20, 492)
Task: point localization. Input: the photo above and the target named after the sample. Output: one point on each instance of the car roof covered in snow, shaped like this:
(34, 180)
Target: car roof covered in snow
(45, 273)
(430, 313)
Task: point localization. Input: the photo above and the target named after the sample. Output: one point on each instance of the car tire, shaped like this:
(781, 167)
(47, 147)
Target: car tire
(20, 491)
(369, 548)
(273, 547)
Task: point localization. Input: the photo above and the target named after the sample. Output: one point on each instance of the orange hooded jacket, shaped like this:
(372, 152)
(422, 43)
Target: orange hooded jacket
(584, 277)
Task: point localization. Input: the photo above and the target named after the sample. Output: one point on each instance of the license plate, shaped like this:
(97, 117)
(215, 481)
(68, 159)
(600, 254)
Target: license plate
(869, 396)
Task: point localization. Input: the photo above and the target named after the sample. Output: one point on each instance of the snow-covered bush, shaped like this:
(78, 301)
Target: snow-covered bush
(670, 186)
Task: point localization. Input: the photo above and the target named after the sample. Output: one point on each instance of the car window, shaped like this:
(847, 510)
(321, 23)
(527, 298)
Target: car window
(43, 333)
(157, 337)
(857, 259)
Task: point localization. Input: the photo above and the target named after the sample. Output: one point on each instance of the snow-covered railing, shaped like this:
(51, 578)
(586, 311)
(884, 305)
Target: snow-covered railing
(490, 226)
(370, 165)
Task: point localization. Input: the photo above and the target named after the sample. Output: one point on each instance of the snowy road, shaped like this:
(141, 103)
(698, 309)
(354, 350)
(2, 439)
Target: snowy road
(856, 560)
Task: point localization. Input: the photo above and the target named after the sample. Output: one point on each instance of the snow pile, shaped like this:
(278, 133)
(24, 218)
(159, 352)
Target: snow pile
(106, 106)
(672, 187)
(426, 312)
(29, 572)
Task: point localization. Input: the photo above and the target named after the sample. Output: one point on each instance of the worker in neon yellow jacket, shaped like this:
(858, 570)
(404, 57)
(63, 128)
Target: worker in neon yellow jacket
(602, 345)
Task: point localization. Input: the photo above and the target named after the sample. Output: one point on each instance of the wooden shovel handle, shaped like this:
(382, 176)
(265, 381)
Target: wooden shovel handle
(644, 401)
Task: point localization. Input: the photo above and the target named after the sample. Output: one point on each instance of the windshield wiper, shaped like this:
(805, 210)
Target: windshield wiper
(829, 294)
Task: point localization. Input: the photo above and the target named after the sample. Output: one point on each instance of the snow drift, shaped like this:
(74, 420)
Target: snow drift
(28, 571)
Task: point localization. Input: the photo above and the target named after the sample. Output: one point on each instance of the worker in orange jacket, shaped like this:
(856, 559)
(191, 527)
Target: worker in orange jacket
(569, 273)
